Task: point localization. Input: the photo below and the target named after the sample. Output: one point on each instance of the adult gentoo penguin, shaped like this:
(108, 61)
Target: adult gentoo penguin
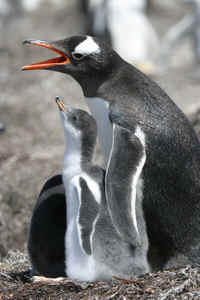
(47, 230)
(95, 249)
(171, 173)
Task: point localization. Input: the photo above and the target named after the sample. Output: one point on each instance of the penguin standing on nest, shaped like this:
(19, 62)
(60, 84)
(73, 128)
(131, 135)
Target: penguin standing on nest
(171, 173)
(95, 248)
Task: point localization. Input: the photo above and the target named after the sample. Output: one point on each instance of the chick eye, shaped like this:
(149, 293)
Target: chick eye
(77, 56)
(75, 118)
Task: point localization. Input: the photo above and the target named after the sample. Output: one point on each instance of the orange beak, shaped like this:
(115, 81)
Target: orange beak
(60, 104)
(63, 59)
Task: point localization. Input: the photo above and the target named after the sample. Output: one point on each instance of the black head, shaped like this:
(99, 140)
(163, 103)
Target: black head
(78, 124)
(87, 59)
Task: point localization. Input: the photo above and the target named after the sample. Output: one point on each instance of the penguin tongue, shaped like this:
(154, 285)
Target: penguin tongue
(60, 60)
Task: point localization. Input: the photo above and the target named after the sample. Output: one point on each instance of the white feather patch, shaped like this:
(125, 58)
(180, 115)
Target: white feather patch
(79, 265)
(100, 110)
(88, 46)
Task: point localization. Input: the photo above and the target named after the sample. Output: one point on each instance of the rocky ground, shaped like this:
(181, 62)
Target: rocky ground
(32, 145)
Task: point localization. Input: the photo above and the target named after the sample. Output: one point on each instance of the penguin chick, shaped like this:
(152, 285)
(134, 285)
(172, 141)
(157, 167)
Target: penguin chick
(95, 249)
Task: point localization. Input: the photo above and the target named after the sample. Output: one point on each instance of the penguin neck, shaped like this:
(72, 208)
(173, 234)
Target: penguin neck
(77, 157)
(100, 111)
(91, 80)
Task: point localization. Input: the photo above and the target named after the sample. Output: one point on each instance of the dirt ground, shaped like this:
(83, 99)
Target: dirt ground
(175, 284)
(32, 146)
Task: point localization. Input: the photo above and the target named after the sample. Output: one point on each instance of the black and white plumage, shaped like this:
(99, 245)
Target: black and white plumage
(171, 172)
(124, 196)
(96, 249)
(124, 179)
(47, 230)
(80, 137)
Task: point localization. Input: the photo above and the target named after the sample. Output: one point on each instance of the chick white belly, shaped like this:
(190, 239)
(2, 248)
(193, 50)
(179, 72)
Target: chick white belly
(100, 110)
(79, 265)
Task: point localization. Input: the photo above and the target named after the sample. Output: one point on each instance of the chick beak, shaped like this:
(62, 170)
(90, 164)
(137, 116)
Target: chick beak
(60, 104)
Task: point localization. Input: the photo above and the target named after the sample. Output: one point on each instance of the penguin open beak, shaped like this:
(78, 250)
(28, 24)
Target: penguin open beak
(63, 59)
(60, 104)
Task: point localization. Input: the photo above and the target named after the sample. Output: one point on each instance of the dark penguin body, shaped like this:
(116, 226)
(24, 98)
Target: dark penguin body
(127, 235)
(171, 172)
(96, 248)
(47, 230)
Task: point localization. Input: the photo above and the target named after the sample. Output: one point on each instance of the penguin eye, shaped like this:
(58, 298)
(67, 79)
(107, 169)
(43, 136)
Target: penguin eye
(74, 118)
(77, 56)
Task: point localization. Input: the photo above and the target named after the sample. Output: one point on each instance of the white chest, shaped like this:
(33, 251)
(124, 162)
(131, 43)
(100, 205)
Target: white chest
(79, 265)
(100, 111)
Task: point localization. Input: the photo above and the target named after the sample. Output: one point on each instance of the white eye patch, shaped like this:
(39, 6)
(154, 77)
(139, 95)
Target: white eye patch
(88, 46)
